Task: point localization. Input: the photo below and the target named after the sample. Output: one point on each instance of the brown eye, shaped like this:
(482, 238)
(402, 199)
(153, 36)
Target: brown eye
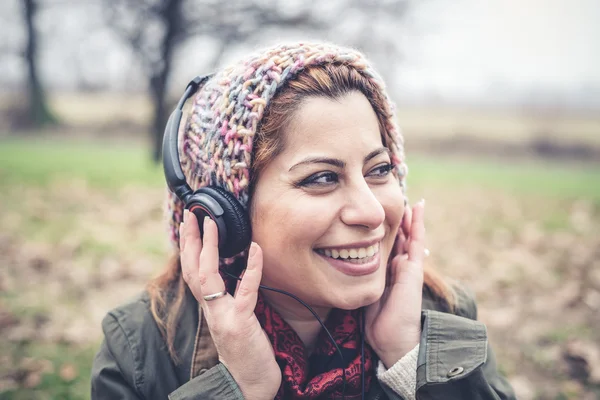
(381, 170)
(320, 179)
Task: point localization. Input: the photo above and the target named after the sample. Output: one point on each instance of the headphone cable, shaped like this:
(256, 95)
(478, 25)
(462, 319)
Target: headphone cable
(322, 325)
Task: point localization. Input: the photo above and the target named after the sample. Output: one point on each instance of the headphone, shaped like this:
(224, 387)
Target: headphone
(212, 201)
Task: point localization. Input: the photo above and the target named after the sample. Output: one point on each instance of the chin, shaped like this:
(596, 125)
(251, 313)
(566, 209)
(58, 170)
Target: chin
(351, 300)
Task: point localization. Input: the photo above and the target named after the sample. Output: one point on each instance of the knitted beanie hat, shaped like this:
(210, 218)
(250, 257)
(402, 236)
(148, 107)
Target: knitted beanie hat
(216, 143)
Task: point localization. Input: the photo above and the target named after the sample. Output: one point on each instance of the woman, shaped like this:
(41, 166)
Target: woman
(304, 138)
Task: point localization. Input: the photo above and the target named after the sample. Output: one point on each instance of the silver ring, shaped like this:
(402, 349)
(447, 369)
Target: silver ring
(215, 296)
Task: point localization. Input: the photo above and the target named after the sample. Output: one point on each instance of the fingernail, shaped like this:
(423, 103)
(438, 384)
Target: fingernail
(252, 251)
(185, 214)
(422, 202)
(206, 222)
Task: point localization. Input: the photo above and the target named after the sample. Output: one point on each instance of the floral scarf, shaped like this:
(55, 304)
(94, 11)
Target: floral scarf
(318, 376)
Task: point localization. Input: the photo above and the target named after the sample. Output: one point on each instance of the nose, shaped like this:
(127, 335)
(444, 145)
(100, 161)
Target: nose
(362, 207)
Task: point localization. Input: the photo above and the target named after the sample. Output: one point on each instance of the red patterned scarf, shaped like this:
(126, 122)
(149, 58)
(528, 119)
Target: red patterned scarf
(318, 376)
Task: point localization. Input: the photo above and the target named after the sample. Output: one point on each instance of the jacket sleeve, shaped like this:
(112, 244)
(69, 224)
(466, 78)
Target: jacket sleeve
(455, 358)
(215, 383)
(113, 373)
(119, 373)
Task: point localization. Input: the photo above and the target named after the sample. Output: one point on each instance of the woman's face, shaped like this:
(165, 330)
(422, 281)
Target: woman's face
(327, 209)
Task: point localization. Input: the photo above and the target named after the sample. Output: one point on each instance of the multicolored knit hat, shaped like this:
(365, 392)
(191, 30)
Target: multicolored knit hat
(216, 143)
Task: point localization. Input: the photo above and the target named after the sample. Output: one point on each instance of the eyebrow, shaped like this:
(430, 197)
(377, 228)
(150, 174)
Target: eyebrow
(377, 152)
(337, 162)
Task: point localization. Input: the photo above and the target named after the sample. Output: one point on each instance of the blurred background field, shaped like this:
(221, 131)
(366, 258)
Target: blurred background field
(502, 131)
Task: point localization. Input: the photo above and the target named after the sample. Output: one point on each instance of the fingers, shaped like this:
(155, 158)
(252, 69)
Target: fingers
(396, 267)
(237, 285)
(406, 289)
(407, 267)
(209, 279)
(406, 221)
(200, 260)
(247, 293)
(405, 228)
(189, 251)
(401, 243)
(416, 247)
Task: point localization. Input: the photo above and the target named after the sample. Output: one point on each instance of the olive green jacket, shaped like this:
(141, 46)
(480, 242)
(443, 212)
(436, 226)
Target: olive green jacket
(455, 360)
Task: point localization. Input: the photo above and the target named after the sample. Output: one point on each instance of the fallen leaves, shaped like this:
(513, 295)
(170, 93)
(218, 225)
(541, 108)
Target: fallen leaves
(582, 360)
(68, 372)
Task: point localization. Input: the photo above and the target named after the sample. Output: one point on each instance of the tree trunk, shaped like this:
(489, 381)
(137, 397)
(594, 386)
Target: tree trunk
(160, 77)
(158, 87)
(38, 110)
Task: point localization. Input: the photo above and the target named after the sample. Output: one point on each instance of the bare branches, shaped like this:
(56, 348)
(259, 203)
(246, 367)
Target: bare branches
(153, 29)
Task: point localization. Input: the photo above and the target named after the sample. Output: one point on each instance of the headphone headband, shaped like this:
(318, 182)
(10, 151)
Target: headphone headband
(214, 202)
(171, 163)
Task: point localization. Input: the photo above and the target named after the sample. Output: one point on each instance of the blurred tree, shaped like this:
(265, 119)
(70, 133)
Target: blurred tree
(155, 29)
(39, 113)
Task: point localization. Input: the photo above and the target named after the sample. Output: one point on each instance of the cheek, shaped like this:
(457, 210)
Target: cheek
(286, 236)
(283, 228)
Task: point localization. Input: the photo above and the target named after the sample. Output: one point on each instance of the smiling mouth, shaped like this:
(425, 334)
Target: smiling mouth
(353, 261)
(354, 255)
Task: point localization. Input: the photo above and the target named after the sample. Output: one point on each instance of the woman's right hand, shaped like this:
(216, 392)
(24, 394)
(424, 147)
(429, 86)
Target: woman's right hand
(242, 345)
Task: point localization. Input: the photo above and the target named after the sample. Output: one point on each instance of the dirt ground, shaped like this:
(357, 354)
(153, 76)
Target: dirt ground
(70, 252)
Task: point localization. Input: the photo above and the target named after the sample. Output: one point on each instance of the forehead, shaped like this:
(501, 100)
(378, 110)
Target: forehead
(335, 127)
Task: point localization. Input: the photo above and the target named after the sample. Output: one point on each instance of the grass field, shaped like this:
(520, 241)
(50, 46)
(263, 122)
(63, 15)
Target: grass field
(81, 231)
(40, 162)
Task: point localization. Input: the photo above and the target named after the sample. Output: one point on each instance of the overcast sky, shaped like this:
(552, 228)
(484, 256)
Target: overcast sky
(453, 47)
(519, 42)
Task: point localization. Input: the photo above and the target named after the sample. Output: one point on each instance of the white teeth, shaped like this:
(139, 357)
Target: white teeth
(352, 253)
(370, 251)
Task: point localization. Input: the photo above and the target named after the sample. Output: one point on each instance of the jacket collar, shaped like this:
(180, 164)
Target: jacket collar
(205, 354)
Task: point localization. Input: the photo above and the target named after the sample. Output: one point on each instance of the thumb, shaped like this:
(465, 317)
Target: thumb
(247, 291)
(397, 266)
(408, 280)
(407, 286)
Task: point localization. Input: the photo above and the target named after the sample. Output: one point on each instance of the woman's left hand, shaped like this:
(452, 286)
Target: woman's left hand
(393, 323)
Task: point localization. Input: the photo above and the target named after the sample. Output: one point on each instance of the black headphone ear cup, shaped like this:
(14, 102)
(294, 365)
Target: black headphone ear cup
(236, 220)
